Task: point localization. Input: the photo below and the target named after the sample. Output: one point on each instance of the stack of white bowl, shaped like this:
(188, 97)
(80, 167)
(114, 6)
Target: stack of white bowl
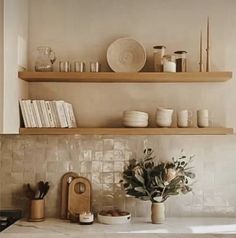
(135, 119)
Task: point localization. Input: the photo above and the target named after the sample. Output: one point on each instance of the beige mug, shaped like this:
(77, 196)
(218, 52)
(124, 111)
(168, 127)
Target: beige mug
(36, 212)
(203, 118)
(184, 118)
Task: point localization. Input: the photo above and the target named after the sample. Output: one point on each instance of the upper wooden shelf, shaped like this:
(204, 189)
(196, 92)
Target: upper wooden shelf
(112, 77)
(126, 131)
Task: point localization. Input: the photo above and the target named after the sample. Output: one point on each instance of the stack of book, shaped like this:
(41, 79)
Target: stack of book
(41, 113)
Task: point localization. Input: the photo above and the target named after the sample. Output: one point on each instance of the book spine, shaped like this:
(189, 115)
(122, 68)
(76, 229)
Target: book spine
(31, 115)
(72, 115)
(67, 113)
(50, 116)
(27, 113)
(36, 114)
(61, 114)
(41, 113)
(45, 113)
(58, 123)
(23, 113)
(54, 116)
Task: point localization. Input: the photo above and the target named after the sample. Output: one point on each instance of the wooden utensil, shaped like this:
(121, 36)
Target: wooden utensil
(65, 181)
(80, 196)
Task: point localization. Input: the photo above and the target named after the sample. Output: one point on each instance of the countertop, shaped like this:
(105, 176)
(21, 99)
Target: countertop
(139, 227)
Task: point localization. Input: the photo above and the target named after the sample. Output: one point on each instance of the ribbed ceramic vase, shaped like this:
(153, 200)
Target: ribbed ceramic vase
(158, 213)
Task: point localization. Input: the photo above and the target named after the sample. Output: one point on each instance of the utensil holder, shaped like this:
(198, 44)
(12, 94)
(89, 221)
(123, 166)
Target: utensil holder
(36, 211)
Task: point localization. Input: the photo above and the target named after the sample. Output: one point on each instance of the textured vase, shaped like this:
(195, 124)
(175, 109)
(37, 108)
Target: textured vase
(158, 213)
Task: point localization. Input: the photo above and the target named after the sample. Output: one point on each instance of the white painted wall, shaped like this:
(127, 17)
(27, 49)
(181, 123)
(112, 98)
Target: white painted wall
(82, 30)
(15, 28)
(1, 64)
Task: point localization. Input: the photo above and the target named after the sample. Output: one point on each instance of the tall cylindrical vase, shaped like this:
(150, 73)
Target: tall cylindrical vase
(158, 213)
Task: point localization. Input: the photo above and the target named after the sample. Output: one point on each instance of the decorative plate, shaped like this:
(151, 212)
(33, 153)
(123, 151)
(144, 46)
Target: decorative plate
(126, 55)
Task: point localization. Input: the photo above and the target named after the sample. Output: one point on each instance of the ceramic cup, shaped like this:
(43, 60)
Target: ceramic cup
(203, 118)
(164, 117)
(184, 118)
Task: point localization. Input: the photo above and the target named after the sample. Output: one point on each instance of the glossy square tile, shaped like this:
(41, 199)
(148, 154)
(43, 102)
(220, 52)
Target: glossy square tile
(28, 159)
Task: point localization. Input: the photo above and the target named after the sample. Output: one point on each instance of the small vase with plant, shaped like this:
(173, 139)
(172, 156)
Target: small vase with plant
(157, 181)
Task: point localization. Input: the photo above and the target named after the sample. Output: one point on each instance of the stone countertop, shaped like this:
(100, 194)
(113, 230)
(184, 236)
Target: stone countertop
(173, 228)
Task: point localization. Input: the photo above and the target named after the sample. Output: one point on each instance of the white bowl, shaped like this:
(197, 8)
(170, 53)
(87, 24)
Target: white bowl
(135, 123)
(114, 220)
(134, 118)
(135, 113)
(126, 55)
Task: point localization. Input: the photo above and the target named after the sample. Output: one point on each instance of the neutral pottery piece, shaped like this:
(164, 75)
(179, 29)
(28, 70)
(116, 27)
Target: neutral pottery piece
(158, 213)
(183, 118)
(202, 118)
(135, 123)
(126, 55)
(114, 220)
(164, 117)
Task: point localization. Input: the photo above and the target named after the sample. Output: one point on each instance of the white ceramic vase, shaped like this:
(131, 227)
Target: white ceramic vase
(158, 213)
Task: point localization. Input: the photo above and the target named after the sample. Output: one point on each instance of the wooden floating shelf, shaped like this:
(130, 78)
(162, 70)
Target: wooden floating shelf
(126, 131)
(112, 77)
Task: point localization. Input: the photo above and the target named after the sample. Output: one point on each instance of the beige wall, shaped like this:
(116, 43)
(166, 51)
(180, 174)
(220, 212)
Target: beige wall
(82, 30)
(1, 64)
(15, 26)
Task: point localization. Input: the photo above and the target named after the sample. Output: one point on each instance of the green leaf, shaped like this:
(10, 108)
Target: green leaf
(159, 182)
(139, 178)
(140, 189)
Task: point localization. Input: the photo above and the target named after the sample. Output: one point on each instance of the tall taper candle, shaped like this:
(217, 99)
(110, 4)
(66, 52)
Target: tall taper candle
(200, 63)
(208, 46)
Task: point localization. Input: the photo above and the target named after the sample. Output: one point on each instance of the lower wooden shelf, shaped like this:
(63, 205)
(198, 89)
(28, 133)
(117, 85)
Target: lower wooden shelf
(126, 131)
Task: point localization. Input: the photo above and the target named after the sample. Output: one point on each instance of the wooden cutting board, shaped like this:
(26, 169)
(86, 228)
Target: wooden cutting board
(80, 196)
(65, 182)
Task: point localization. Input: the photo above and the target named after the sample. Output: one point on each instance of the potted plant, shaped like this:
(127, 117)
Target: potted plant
(157, 181)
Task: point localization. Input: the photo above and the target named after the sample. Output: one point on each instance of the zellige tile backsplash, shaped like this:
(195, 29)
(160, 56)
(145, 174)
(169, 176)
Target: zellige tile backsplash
(28, 159)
